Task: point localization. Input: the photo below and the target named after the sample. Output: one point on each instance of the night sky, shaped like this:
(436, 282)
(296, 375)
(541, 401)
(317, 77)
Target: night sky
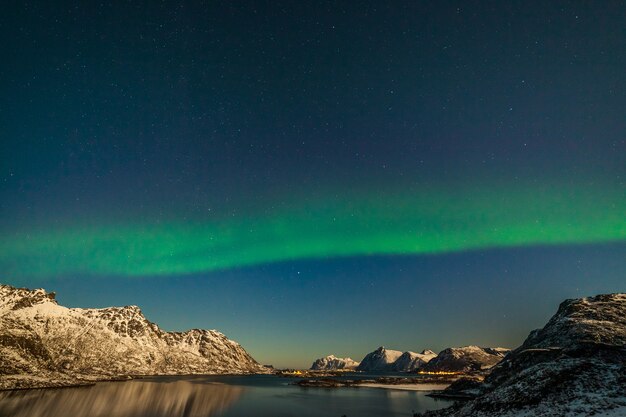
(317, 177)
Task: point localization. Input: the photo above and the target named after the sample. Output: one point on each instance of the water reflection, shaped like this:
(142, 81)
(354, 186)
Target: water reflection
(213, 396)
(123, 399)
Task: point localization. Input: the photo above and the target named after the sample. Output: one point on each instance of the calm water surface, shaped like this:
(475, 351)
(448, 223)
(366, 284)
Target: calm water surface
(209, 396)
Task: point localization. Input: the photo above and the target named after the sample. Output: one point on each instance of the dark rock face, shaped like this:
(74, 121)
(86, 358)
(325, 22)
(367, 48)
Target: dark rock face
(574, 366)
(49, 342)
(30, 346)
(30, 298)
(467, 387)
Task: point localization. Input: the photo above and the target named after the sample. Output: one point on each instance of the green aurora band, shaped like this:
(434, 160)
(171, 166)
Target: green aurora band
(430, 222)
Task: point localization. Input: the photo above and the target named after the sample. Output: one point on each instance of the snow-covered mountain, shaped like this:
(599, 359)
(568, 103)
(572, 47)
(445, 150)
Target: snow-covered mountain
(42, 341)
(331, 362)
(379, 360)
(386, 360)
(411, 361)
(575, 366)
(465, 359)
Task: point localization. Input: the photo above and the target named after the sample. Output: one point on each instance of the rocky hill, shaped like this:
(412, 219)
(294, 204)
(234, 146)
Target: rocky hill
(43, 344)
(465, 359)
(331, 362)
(411, 361)
(575, 366)
(380, 360)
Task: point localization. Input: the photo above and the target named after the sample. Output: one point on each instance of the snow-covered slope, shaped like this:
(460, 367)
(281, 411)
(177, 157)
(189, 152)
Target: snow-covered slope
(332, 362)
(379, 360)
(38, 336)
(411, 361)
(465, 359)
(575, 366)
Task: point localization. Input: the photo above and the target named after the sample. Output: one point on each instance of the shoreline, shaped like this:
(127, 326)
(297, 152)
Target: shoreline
(25, 383)
(398, 383)
(13, 382)
(407, 387)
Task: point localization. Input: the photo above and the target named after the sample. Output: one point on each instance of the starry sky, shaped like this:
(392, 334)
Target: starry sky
(317, 177)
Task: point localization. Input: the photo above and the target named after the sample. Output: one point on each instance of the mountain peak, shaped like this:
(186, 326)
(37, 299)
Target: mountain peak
(63, 342)
(379, 360)
(411, 361)
(13, 298)
(331, 362)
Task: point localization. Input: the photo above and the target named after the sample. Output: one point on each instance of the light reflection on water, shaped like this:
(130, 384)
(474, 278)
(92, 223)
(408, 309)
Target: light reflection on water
(122, 399)
(211, 397)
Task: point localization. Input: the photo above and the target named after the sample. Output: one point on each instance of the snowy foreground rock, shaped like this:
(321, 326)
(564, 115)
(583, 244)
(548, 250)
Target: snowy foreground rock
(331, 362)
(45, 344)
(574, 366)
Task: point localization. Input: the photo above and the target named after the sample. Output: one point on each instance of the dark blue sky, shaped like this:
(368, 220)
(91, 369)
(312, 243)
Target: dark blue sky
(210, 102)
(124, 126)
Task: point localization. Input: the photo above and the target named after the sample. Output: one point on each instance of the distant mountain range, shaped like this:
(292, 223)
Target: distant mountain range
(45, 344)
(461, 359)
(465, 359)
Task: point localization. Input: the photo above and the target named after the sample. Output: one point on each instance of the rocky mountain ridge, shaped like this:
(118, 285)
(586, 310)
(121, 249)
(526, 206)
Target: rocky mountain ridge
(411, 361)
(43, 341)
(465, 359)
(574, 366)
(379, 360)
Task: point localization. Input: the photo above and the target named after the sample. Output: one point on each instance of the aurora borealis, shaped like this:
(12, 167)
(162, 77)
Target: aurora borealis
(437, 222)
(225, 164)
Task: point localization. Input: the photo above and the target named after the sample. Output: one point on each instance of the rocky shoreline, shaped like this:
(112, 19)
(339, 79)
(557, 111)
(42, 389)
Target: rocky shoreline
(574, 366)
(27, 382)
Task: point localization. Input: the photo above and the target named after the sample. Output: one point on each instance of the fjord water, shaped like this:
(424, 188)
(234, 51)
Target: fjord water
(209, 396)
